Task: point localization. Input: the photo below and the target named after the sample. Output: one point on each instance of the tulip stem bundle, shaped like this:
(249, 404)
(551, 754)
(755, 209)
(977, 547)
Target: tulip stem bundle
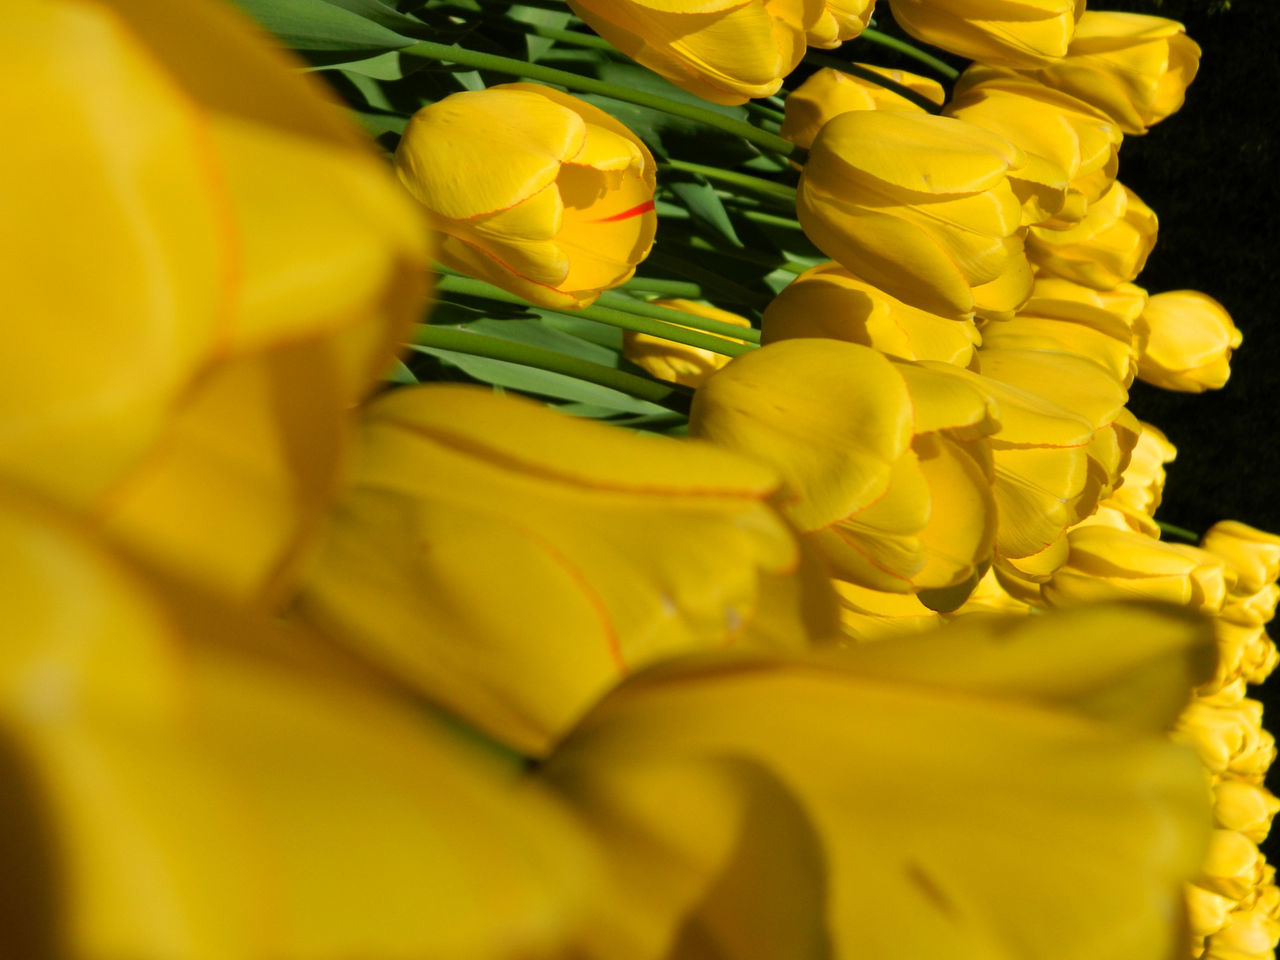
(756, 185)
(624, 314)
(446, 53)
(495, 348)
(706, 324)
(907, 49)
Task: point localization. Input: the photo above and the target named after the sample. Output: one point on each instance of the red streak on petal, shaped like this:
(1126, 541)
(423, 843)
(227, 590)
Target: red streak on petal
(627, 214)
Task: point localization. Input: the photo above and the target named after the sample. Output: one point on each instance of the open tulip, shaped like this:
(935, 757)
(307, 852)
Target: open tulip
(512, 562)
(1107, 247)
(829, 301)
(991, 784)
(1072, 148)
(725, 51)
(921, 207)
(182, 781)
(1007, 32)
(242, 268)
(1133, 66)
(885, 464)
(1184, 342)
(829, 93)
(533, 190)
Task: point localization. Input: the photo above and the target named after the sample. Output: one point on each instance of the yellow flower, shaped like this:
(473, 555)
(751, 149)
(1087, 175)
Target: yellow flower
(1072, 148)
(1108, 247)
(841, 20)
(1135, 67)
(1133, 503)
(1069, 318)
(678, 362)
(185, 782)
(1254, 553)
(1245, 807)
(1008, 32)
(1229, 738)
(829, 93)
(533, 190)
(1184, 340)
(512, 562)
(876, 614)
(884, 464)
(726, 51)
(829, 301)
(921, 207)
(195, 317)
(942, 795)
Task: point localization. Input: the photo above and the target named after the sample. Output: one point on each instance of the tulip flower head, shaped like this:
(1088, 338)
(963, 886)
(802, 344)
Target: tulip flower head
(1133, 66)
(1184, 340)
(829, 93)
(243, 269)
(533, 190)
(725, 51)
(1107, 248)
(678, 362)
(841, 20)
(1005, 32)
(921, 207)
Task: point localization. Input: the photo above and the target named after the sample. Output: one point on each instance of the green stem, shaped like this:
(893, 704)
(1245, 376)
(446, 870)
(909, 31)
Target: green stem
(915, 53)
(771, 220)
(664, 287)
(1177, 531)
(532, 71)
(766, 113)
(480, 345)
(706, 324)
(758, 185)
(612, 316)
(835, 63)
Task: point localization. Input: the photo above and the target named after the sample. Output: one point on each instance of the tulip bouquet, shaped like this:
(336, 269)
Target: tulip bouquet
(605, 479)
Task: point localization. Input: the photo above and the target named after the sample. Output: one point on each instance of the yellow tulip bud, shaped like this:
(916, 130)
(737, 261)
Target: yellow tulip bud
(1133, 66)
(512, 562)
(884, 464)
(1246, 807)
(829, 301)
(841, 20)
(534, 191)
(1118, 564)
(1251, 931)
(1107, 248)
(1184, 340)
(1072, 148)
(829, 93)
(1254, 553)
(1138, 495)
(1041, 740)
(1232, 866)
(725, 51)
(1229, 738)
(921, 207)
(679, 362)
(243, 267)
(185, 782)
(1008, 32)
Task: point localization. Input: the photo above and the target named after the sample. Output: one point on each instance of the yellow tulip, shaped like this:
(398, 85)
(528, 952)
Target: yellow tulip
(1251, 930)
(194, 319)
(725, 51)
(1134, 502)
(876, 614)
(1069, 318)
(1008, 32)
(886, 800)
(1184, 340)
(1107, 248)
(512, 563)
(841, 20)
(829, 301)
(921, 207)
(1133, 66)
(1246, 807)
(678, 362)
(1229, 738)
(186, 783)
(1072, 148)
(884, 464)
(533, 190)
(829, 93)
(1253, 553)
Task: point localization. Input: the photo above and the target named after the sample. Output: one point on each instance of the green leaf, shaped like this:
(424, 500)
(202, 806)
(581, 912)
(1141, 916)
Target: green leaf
(538, 334)
(543, 383)
(537, 17)
(701, 200)
(325, 25)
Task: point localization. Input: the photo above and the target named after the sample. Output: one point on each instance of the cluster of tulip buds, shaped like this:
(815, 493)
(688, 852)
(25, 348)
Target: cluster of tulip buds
(836, 624)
